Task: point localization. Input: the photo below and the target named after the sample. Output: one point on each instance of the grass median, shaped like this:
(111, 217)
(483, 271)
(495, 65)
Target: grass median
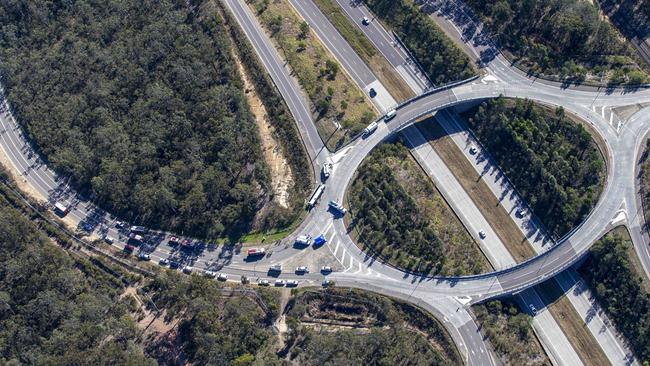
(384, 71)
(340, 109)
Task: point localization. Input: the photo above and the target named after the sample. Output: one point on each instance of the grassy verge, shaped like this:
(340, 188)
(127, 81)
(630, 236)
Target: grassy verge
(398, 213)
(572, 324)
(477, 189)
(510, 332)
(336, 100)
(393, 82)
(619, 288)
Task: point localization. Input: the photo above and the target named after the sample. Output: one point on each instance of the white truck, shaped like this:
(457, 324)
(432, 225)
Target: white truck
(327, 169)
(390, 115)
(316, 195)
(370, 129)
(338, 207)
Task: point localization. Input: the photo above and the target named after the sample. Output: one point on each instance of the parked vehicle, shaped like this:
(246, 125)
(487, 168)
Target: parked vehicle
(138, 229)
(320, 240)
(263, 283)
(326, 269)
(173, 240)
(256, 252)
(327, 283)
(128, 249)
(187, 269)
(174, 265)
(144, 257)
(222, 277)
(163, 261)
(292, 283)
(135, 239)
(302, 270)
(120, 224)
(109, 240)
(210, 274)
(279, 283)
(276, 268)
(304, 240)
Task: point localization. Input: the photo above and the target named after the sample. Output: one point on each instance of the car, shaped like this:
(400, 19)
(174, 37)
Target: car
(302, 270)
(326, 269)
(144, 257)
(174, 240)
(365, 21)
(372, 92)
(163, 261)
(120, 224)
(320, 240)
(129, 248)
(263, 283)
(187, 269)
(276, 268)
(138, 229)
(327, 283)
(533, 309)
(174, 265)
(109, 239)
(482, 234)
(390, 115)
(279, 283)
(292, 283)
(303, 240)
(222, 277)
(521, 212)
(210, 274)
(88, 227)
(473, 150)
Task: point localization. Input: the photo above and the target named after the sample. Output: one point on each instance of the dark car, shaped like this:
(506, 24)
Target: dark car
(174, 265)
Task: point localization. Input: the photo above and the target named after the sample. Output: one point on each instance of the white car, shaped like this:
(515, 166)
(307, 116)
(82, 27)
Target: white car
(292, 283)
(327, 283)
(521, 212)
(109, 239)
(279, 283)
(302, 269)
(365, 21)
(222, 277)
(533, 309)
(163, 261)
(187, 269)
(264, 283)
(144, 257)
(210, 274)
(326, 269)
(473, 150)
(482, 234)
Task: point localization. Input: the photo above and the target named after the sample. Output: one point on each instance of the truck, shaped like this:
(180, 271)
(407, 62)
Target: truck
(61, 209)
(316, 195)
(327, 169)
(256, 252)
(337, 207)
(303, 240)
(276, 268)
(370, 129)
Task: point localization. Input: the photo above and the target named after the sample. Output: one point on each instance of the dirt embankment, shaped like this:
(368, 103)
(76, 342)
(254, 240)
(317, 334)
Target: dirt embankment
(281, 174)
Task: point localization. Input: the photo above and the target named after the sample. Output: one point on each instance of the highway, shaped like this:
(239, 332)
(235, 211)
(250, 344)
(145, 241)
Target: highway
(442, 296)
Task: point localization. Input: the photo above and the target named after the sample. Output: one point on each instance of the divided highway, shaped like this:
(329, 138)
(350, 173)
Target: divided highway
(441, 296)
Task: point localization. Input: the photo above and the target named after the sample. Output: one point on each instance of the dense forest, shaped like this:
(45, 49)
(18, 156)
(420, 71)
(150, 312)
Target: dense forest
(57, 309)
(140, 104)
(399, 215)
(441, 59)
(552, 161)
(619, 289)
(562, 38)
(644, 179)
(384, 329)
(510, 332)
